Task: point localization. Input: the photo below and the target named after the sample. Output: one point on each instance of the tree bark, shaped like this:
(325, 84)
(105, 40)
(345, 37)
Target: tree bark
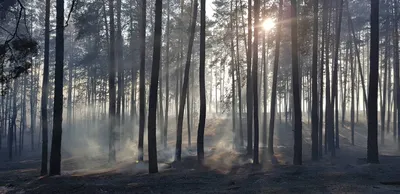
(314, 132)
(55, 155)
(202, 118)
(111, 85)
(249, 92)
(165, 134)
(238, 77)
(182, 100)
(142, 87)
(396, 114)
(152, 137)
(274, 82)
(297, 158)
(372, 146)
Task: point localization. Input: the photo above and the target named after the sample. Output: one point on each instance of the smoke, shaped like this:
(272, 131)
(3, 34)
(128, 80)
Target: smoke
(85, 145)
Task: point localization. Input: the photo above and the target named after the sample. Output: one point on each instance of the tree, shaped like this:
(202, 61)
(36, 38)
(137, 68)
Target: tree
(152, 138)
(233, 65)
(142, 87)
(12, 128)
(274, 82)
(167, 76)
(238, 75)
(297, 158)
(249, 89)
(202, 118)
(45, 90)
(321, 109)
(352, 69)
(372, 147)
(185, 85)
(335, 79)
(314, 132)
(111, 83)
(396, 65)
(55, 156)
(255, 78)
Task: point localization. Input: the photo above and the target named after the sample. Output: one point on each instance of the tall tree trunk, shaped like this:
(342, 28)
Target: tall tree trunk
(321, 96)
(55, 155)
(314, 132)
(396, 126)
(358, 56)
(249, 92)
(335, 79)
(152, 136)
(188, 115)
(12, 125)
(23, 116)
(344, 86)
(327, 80)
(133, 75)
(142, 87)
(274, 82)
(182, 101)
(265, 88)
(234, 132)
(389, 95)
(69, 98)
(165, 134)
(372, 146)
(297, 158)
(111, 84)
(383, 87)
(120, 65)
(238, 77)
(255, 79)
(202, 118)
(353, 85)
(45, 91)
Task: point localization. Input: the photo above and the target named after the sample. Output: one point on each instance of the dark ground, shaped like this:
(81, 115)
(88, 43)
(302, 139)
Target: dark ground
(225, 170)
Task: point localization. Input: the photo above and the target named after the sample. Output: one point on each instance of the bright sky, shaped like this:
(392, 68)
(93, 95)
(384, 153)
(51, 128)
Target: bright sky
(209, 10)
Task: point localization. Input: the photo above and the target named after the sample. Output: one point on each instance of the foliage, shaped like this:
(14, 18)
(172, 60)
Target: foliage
(15, 58)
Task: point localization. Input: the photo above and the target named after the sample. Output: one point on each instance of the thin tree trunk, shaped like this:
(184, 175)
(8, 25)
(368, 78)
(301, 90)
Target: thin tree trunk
(353, 85)
(383, 92)
(55, 155)
(274, 82)
(249, 92)
(178, 150)
(45, 91)
(314, 134)
(111, 85)
(152, 137)
(321, 108)
(372, 146)
(396, 126)
(234, 140)
(142, 87)
(12, 125)
(238, 77)
(255, 79)
(165, 134)
(297, 158)
(335, 80)
(358, 57)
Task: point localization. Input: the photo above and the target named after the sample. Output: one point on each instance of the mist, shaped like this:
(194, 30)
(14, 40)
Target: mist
(203, 96)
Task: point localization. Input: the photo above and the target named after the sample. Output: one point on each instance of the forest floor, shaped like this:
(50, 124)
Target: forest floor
(225, 170)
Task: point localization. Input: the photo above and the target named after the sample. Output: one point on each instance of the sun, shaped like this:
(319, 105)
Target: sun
(268, 24)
